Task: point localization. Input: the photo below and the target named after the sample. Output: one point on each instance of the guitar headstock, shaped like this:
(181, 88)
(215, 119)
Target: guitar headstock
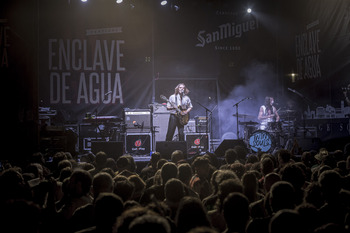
(164, 98)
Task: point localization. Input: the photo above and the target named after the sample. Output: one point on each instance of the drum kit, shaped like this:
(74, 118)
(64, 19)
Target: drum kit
(266, 138)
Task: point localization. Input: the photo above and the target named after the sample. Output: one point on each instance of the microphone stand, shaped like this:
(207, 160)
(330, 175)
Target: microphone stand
(208, 116)
(236, 104)
(96, 111)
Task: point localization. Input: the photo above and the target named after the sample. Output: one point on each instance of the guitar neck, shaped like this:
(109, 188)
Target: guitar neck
(172, 104)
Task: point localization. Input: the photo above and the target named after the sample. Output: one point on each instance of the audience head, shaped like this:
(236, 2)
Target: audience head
(330, 183)
(225, 188)
(149, 223)
(79, 183)
(250, 186)
(294, 175)
(174, 191)
(286, 221)
(283, 156)
(201, 166)
(266, 166)
(230, 156)
(236, 212)
(124, 189)
(241, 153)
(139, 185)
(123, 163)
(269, 180)
(238, 169)
(191, 214)
(155, 157)
(101, 160)
(282, 196)
(185, 173)
(102, 182)
(168, 171)
(108, 207)
(177, 156)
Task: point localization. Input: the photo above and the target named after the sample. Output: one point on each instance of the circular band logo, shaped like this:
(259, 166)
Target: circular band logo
(197, 142)
(138, 143)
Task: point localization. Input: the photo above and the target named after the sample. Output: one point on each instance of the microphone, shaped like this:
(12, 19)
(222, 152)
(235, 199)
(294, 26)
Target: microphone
(136, 124)
(110, 92)
(250, 98)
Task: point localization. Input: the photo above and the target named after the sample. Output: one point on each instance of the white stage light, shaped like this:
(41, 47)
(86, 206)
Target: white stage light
(84, 0)
(249, 10)
(163, 2)
(119, 1)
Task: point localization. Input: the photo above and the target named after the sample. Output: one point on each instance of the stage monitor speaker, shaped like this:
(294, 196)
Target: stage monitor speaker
(197, 143)
(166, 148)
(138, 144)
(228, 144)
(112, 149)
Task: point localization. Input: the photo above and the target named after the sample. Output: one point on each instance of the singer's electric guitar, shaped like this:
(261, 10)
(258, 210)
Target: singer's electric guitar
(184, 118)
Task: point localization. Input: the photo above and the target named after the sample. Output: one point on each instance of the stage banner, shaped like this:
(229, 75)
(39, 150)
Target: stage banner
(321, 44)
(94, 57)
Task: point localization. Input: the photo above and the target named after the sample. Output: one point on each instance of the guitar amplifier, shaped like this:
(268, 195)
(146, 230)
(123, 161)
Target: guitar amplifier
(190, 127)
(137, 120)
(201, 124)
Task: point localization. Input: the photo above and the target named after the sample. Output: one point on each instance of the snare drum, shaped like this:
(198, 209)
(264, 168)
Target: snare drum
(260, 141)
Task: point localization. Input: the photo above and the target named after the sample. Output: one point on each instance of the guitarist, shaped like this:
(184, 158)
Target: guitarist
(183, 102)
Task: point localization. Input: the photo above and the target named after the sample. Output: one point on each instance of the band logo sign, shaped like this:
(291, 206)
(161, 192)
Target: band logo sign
(308, 52)
(260, 141)
(86, 71)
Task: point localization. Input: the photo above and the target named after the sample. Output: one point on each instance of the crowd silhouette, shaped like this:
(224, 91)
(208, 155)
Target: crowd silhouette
(242, 193)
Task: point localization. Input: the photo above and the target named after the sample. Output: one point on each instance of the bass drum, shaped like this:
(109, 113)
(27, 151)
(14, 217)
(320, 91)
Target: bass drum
(260, 141)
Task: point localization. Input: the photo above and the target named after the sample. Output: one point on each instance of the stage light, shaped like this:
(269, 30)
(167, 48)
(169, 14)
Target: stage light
(249, 10)
(163, 2)
(84, 0)
(119, 1)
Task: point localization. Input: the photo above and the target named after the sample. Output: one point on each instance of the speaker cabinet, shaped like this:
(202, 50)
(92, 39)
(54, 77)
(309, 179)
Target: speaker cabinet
(201, 124)
(138, 144)
(160, 122)
(166, 148)
(112, 149)
(197, 143)
(137, 120)
(228, 144)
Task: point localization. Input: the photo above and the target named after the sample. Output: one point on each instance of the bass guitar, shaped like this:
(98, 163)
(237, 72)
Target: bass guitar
(184, 118)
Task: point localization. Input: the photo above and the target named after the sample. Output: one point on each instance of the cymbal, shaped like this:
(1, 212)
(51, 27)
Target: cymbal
(247, 123)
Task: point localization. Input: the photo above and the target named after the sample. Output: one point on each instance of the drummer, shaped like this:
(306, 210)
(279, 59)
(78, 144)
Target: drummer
(267, 113)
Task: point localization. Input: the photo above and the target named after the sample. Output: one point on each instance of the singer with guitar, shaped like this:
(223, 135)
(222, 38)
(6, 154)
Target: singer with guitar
(179, 105)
